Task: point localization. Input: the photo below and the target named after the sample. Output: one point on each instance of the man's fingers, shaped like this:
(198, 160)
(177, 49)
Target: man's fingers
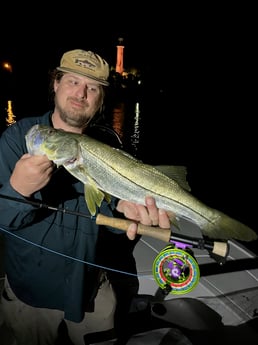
(132, 231)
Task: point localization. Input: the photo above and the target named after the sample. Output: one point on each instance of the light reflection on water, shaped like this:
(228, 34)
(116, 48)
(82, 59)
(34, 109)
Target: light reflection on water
(7, 117)
(135, 137)
(118, 118)
(10, 119)
(126, 122)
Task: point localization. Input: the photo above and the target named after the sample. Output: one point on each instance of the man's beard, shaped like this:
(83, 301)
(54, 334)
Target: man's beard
(76, 119)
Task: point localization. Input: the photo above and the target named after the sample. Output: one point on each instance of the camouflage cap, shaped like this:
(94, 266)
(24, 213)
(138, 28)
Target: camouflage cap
(85, 63)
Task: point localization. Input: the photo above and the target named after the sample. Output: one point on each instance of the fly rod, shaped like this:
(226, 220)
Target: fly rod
(218, 248)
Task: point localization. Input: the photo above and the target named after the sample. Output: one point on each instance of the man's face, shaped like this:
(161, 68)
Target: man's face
(77, 99)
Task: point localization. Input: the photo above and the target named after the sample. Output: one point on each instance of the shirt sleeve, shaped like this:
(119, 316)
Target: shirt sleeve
(14, 214)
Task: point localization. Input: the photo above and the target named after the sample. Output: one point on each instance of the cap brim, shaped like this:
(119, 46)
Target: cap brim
(99, 81)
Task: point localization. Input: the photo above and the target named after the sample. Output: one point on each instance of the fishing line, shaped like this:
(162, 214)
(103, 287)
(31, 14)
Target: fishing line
(61, 254)
(63, 210)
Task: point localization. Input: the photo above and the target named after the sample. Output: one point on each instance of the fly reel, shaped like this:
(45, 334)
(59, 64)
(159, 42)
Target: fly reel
(177, 269)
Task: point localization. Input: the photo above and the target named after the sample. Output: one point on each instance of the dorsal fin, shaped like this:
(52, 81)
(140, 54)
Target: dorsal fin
(175, 172)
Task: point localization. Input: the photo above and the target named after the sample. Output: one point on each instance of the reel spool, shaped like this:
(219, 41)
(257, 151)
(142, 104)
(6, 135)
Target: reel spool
(177, 269)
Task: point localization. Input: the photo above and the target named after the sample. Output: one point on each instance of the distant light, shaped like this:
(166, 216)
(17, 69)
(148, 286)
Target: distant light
(7, 66)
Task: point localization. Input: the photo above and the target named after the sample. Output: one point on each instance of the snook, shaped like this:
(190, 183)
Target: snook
(107, 171)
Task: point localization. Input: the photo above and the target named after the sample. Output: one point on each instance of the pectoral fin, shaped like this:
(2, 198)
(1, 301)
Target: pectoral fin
(93, 197)
(107, 197)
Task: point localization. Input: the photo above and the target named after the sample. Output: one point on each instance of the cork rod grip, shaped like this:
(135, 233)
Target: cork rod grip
(123, 224)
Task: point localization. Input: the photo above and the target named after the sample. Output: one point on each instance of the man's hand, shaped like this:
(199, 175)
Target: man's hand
(146, 215)
(31, 173)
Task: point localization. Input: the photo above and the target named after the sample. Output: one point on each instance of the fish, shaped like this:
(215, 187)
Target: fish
(106, 171)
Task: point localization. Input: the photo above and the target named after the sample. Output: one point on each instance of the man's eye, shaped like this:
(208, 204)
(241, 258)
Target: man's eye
(91, 88)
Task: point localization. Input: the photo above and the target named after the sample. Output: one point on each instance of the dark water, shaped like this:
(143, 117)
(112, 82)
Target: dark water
(218, 152)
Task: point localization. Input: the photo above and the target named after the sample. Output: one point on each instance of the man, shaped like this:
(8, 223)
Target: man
(53, 280)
